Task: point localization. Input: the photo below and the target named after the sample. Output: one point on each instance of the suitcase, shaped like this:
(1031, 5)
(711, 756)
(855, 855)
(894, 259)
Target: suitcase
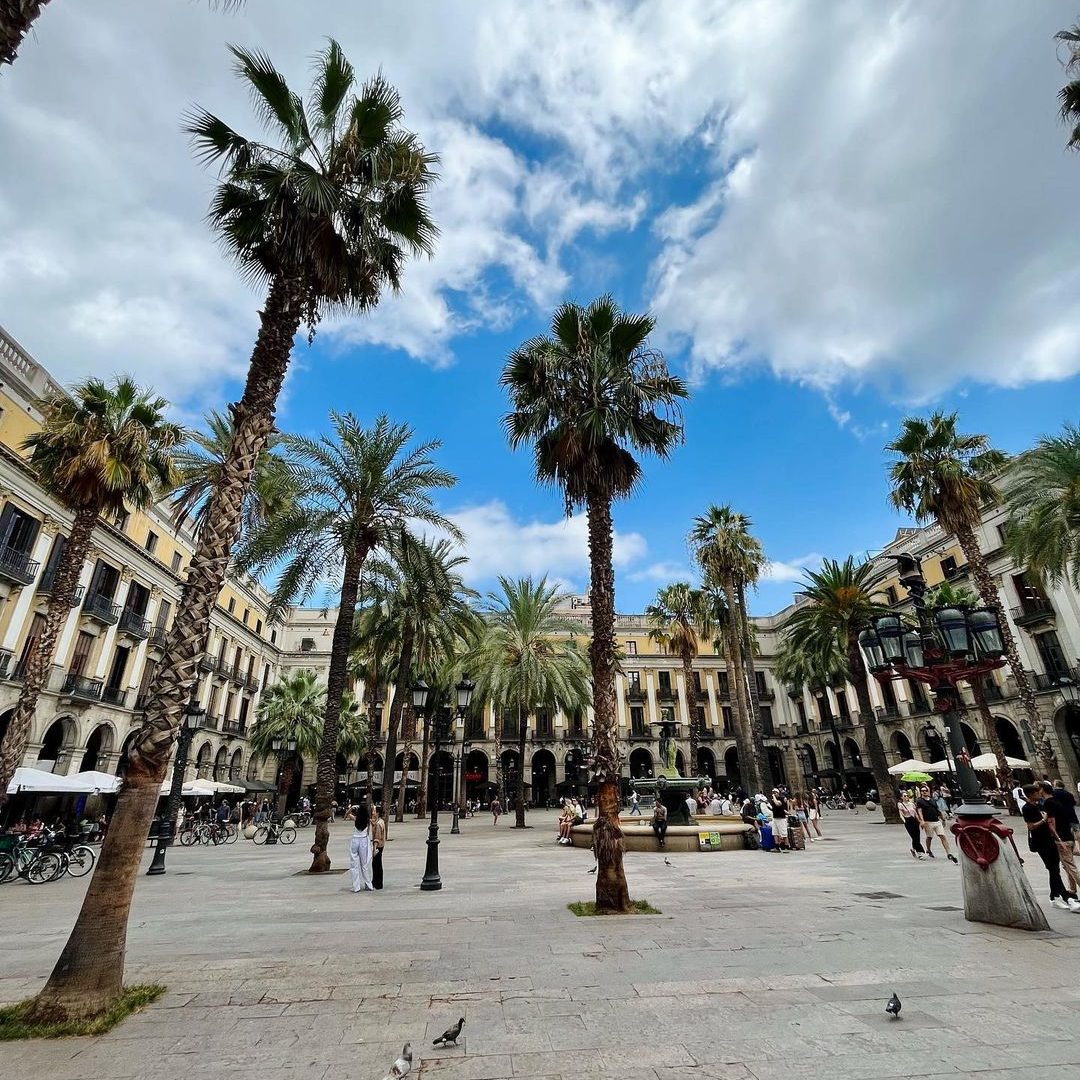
(767, 841)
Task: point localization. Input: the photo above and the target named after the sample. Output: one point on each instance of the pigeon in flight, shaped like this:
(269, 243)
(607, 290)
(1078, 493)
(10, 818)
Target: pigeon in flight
(593, 870)
(403, 1064)
(450, 1035)
(667, 861)
(893, 1007)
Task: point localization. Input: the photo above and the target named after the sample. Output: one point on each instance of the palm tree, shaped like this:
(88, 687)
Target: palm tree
(199, 466)
(731, 558)
(290, 712)
(836, 605)
(587, 397)
(352, 728)
(527, 658)
(1069, 94)
(678, 620)
(1043, 498)
(97, 449)
(355, 492)
(325, 219)
(941, 475)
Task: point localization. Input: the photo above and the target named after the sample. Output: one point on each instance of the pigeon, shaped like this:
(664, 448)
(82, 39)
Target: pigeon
(450, 1035)
(893, 1007)
(593, 870)
(667, 861)
(403, 1064)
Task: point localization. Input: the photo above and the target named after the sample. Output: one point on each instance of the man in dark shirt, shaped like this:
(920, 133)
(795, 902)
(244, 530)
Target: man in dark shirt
(1042, 841)
(926, 810)
(779, 807)
(1059, 816)
(1069, 799)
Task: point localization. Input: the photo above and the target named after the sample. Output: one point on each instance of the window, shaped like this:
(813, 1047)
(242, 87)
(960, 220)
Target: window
(37, 626)
(163, 612)
(762, 688)
(724, 685)
(81, 656)
(767, 719)
(543, 724)
(116, 672)
(120, 519)
(637, 721)
(258, 627)
(729, 726)
(212, 704)
(918, 696)
(232, 604)
(241, 720)
(151, 541)
(948, 567)
(631, 648)
(663, 679)
(891, 595)
(699, 717)
(888, 695)
(273, 637)
(177, 558)
(104, 581)
(1051, 654)
(18, 531)
(307, 644)
(237, 656)
(800, 711)
(1002, 535)
(230, 704)
(138, 598)
(266, 675)
(698, 689)
(842, 705)
(247, 613)
(48, 575)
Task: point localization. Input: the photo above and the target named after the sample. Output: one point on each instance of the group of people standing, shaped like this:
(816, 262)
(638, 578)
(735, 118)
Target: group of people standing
(924, 813)
(792, 819)
(1053, 829)
(366, 849)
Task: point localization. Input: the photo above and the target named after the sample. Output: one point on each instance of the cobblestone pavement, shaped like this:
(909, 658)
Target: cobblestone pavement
(761, 967)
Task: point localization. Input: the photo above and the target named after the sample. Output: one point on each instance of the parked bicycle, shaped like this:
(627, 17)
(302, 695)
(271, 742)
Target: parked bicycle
(43, 859)
(284, 834)
(208, 832)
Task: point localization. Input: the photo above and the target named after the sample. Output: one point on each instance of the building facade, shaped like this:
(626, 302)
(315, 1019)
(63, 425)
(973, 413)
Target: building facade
(131, 583)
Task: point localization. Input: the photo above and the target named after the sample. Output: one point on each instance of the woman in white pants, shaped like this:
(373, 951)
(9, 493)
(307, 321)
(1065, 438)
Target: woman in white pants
(360, 852)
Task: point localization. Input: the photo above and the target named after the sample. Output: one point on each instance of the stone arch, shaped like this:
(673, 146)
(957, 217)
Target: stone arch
(510, 763)
(414, 762)
(204, 761)
(853, 753)
(832, 755)
(934, 743)
(971, 740)
(252, 769)
(680, 763)
(58, 741)
(1067, 726)
(776, 764)
(477, 775)
(1011, 742)
(542, 768)
(98, 747)
(731, 766)
(811, 760)
(221, 765)
(641, 764)
(706, 764)
(125, 751)
(901, 746)
(236, 766)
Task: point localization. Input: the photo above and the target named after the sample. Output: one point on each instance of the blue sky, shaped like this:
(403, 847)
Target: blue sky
(839, 215)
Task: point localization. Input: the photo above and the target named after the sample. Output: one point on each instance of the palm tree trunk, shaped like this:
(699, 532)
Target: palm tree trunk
(1031, 722)
(519, 800)
(421, 795)
(408, 727)
(879, 766)
(612, 894)
(39, 662)
(88, 977)
(393, 721)
(16, 19)
(757, 725)
(1004, 773)
(285, 779)
(756, 769)
(691, 710)
(748, 780)
(336, 680)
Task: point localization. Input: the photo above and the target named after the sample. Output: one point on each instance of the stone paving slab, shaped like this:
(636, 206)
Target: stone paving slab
(761, 967)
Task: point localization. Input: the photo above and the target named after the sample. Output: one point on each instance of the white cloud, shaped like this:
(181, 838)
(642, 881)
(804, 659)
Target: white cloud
(664, 572)
(792, 569)
(499, 543)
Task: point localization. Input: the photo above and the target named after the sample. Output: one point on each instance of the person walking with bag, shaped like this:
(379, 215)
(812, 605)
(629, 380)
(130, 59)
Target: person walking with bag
(378, 842)
(360, 854)
(1043, 842)
(909, 816)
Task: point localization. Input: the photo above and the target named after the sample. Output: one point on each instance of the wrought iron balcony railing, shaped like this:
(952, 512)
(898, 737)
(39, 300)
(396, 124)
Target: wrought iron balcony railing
(101, 609)
(17, 566)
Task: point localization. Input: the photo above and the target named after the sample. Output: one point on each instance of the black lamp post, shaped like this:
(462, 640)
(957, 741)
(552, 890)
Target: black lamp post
(282, 748)
(464, 691)
(193, 714)
(931, 732)
(441, 722)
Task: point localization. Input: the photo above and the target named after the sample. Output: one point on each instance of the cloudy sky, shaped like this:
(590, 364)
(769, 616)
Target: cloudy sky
(839, 213)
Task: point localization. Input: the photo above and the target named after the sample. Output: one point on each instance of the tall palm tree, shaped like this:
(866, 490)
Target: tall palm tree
(290, 711)
(731, 558)
(352, 728)
(941, 475)
(1043, 498)
(355, 492)
(325, 218)
(836, 605)
(199, 466)
(588, 396)
(528, 657)
(1069, 94)
(101, 447)
(679, 619)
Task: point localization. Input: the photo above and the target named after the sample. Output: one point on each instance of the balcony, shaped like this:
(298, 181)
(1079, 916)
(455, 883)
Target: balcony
(723, 689)
(766, 694)
(706, 734)
(159, 636)
(48, 581)
(667, 694)
(134, 625)
(700, 695)
(887, 712)
(1033, 612)
(635, 693)
(17, 566)
(1054, 680)
(918, 708)
(575, 735)
(251, 682)
(101, 609)
(543, 734)
(222, 668)
(992, 692)
(641, 732)
(113, 695)
(233, 727)
(207, 663)
(210, 722)
(80, 688)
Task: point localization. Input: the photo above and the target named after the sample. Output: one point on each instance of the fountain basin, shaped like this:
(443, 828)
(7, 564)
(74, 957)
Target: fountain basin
(724, 834)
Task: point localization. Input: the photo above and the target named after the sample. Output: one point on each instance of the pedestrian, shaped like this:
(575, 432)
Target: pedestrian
(1042, 841)
(659, 822)
(926, 810)
(944, 809)
(1068, 799)
(813, 814)
(496, 810)
(378, 842)
(691, 805)
(635, 803)
(1059, 814)
(801, 816)
(566, 820)
(360, 855)
(909, 817)
(779, 807)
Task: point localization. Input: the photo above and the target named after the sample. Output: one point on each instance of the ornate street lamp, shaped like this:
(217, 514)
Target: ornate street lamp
(432, 882)
(950, 645)
(189, 724)
(464, 690)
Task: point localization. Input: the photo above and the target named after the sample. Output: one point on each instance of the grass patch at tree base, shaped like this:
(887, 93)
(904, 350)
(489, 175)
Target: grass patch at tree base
(637, 907)
(15, 1022)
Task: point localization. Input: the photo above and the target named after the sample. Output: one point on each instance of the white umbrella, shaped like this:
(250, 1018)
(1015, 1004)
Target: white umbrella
(937, 766)
(102, 783)
(988, 762)
(911, 765)
(37, 780)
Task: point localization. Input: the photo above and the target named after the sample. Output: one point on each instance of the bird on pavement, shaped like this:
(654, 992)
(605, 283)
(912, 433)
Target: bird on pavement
(450, 1035)
(403, 1064)
(893, 1007)
(593, 870)
(667, 861)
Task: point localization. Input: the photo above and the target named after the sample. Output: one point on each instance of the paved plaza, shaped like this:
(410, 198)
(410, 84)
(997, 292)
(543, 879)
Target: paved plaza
(761, 967)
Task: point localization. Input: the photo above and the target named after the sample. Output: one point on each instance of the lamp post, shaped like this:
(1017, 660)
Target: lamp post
(464, 690)
(947, 646)
(283, 747)
(189, 724)
(929, 731)
(441, 722)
